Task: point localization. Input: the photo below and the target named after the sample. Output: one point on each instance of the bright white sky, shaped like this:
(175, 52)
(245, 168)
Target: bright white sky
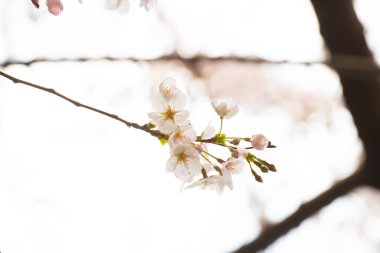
(75, 181)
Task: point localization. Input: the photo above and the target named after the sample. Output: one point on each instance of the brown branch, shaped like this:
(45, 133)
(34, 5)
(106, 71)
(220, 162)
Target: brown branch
(343, 35)
(344, 62)
(272, 233)
(144, 128)
(171, 57)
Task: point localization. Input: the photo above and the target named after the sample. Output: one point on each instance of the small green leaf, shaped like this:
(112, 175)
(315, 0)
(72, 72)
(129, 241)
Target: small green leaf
(150, 125)
(163, 141)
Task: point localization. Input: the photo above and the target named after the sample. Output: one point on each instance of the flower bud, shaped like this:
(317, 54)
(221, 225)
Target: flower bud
(235, 142)
(55, 7)
(259, 142)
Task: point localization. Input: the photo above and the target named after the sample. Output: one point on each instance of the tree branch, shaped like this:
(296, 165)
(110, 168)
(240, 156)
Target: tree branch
(343, 35)
(144, 128)
(346, 62)
(171, 57)
(272, 233)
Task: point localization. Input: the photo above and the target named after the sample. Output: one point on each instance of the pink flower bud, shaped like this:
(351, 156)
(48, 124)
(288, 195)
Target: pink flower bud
(55, 7)
(259, 142)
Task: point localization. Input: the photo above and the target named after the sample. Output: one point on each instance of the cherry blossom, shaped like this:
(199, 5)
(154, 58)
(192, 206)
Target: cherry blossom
(169, 118)
(148, 4)
(259, 142)
(225, 107)
(216, 182)
(184, 162)
(182, 135)
(121, 5)
(170, 113)
(233, 165)
(168, 87)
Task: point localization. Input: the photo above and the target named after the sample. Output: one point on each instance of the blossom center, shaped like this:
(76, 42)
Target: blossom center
(179, 136)
(182, 158)
(168, 92)
(169, 113)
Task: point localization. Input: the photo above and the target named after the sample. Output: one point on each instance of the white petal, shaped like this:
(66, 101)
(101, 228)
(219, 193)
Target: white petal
(190, 133)
(178, 100)
(232, 112)
(171, 163)
(155, 115)
(196, 184)
(159, 102)
(208, 133)
(183, 173)
(166, 126)
(168, 87)
(191, 152)
(124, 6)
(180, 118)
(194, 166)
(112, 4)
(148, 4)
(177, 150)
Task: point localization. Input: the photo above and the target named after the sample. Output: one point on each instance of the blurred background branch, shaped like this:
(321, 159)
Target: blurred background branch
(344, 62)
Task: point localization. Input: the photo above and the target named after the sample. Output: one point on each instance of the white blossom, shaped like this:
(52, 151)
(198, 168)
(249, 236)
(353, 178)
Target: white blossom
(169, 103)
(168, 88)
(225, 107)
(168, 119)
(184, 162)
(169, 94)
(182, 135)
(216, 182)
(170, 113)
(148, 4)
(121, 5)
(233, 165)
(259, 142)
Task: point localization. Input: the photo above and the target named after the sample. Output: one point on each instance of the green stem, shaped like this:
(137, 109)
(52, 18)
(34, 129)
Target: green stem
(216, 158)
(221, 125)
(257, 177)
(206, 158)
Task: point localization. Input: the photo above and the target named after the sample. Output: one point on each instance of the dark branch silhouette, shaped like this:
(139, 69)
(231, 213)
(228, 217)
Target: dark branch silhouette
(343, 35)
(272, 233)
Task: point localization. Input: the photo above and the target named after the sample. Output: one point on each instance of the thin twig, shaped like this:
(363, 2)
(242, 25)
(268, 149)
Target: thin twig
(144, 128)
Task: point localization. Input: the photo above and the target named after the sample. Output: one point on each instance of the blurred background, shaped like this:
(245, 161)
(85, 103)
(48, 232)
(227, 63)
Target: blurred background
(74, 181)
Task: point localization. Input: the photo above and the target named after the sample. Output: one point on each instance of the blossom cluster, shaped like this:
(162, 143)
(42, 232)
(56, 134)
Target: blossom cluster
(123, 5)
(190, 161)
(55, 7)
